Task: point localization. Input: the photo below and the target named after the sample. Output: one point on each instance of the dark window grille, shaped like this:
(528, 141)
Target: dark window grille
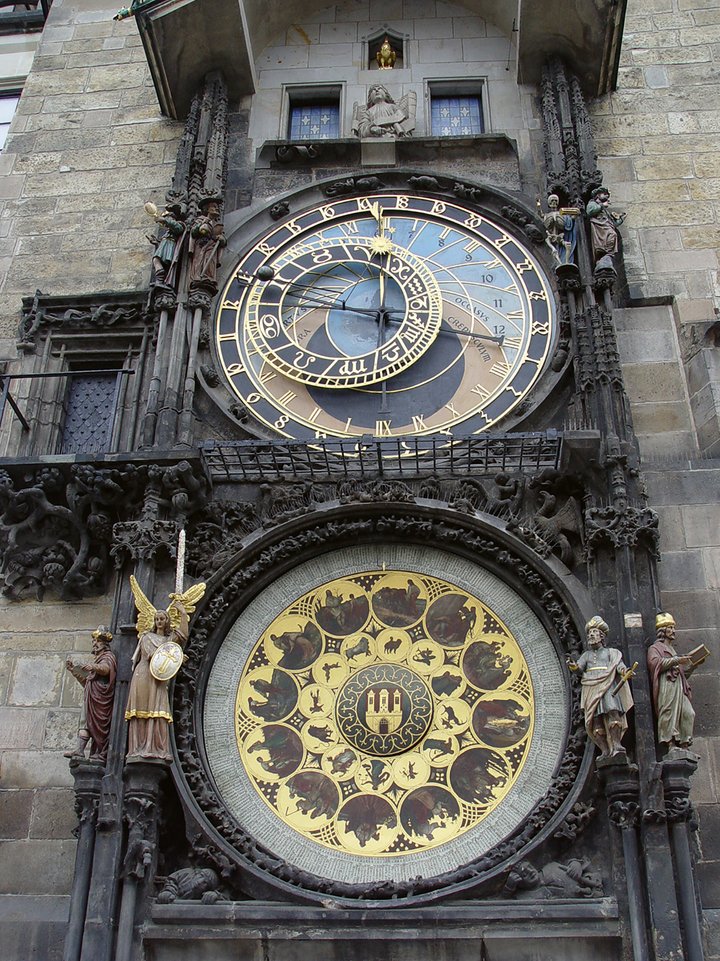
(89, 412)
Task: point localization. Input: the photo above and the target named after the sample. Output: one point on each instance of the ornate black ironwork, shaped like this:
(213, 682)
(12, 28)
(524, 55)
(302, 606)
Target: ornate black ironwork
(394, 457)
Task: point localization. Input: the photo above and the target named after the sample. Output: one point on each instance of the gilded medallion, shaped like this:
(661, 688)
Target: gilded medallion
(384, 712)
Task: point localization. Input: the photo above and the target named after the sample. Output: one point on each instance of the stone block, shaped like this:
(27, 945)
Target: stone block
(651, 383)
(640, 345)
(11, 186)
(654, 191)
(661, 418)
(61, 729)
(15, 813)
(667, 446)
(36, 867)
(384, 10)
(468, 27)
(682, 486)
(36, 681)
(332, 33)
(53, 814)
(711, 564)
(692, 609)
(283, 58)
(49, 617)
(704, 782)
(702, 524)
(675, 213)
(302, 33)
(708, 875)
(31, 769)
(21, 728)
(694, 311)
(435, 28)
(708, 435)
(681, 571)
(68, 182)
(674, 260)
(709, 834)
(706, 701)
(45, 83)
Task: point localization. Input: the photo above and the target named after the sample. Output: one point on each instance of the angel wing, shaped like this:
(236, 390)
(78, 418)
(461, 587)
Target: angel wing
(146, 610)
(188, 600)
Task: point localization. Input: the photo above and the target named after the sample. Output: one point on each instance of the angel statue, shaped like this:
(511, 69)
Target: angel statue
(162, 635)
(382, 116)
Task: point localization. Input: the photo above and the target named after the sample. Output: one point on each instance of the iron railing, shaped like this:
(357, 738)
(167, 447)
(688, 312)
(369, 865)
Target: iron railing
(406, 456)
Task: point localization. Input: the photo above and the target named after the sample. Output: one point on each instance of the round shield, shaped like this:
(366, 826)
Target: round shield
(166, 661)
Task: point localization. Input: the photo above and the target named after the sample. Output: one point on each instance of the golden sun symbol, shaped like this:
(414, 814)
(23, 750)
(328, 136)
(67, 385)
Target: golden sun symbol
(381, 245)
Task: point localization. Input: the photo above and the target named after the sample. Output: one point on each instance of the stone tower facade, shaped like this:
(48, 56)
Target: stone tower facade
(593, 491)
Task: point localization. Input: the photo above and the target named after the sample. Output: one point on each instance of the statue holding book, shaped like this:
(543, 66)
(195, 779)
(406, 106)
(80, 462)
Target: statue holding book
(669, 672)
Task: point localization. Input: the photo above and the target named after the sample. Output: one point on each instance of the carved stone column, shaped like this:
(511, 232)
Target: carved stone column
(142, 790)
(88, 778)
(676, 771)
(620, 779)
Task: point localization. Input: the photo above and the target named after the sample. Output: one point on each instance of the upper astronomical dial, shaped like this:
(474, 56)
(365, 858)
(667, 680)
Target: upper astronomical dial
(338, 312)
(397, 315)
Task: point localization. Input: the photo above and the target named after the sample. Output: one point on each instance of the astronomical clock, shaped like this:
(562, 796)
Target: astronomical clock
(389, 314)
(381, 705)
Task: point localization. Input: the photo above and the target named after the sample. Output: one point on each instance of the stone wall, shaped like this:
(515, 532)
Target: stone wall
(39, 713)
(657, 139)
(87, 147)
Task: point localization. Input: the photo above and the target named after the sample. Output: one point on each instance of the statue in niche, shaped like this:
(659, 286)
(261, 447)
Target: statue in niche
(561, 230)
(605, 697)
(98, 680)
(161, 637)
(167, 245)
(386, 56)
(384, 117)
(207, 240)
(669, 672)
(604, 233)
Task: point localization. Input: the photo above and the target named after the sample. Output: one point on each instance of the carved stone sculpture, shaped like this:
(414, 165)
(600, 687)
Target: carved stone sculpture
(669, 672)
(148, 705)
(606, 697)
(167, 244)
(604, 224)
(576, 879)
(207, 240)
(191, 884)
(561, 229)
(98, 680)
(384, 117)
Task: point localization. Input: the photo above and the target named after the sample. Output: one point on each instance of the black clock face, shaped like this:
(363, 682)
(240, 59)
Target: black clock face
(389, 315)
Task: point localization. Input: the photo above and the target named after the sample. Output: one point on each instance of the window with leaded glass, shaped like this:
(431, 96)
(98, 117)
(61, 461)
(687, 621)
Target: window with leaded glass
(314, 121)
(313, 112)
(456, 109)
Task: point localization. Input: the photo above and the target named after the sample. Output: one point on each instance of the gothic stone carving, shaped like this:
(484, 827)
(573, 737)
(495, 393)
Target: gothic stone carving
(55, 530)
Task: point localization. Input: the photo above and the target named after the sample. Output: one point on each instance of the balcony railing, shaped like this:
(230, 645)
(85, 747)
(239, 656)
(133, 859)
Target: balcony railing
(395, 457)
